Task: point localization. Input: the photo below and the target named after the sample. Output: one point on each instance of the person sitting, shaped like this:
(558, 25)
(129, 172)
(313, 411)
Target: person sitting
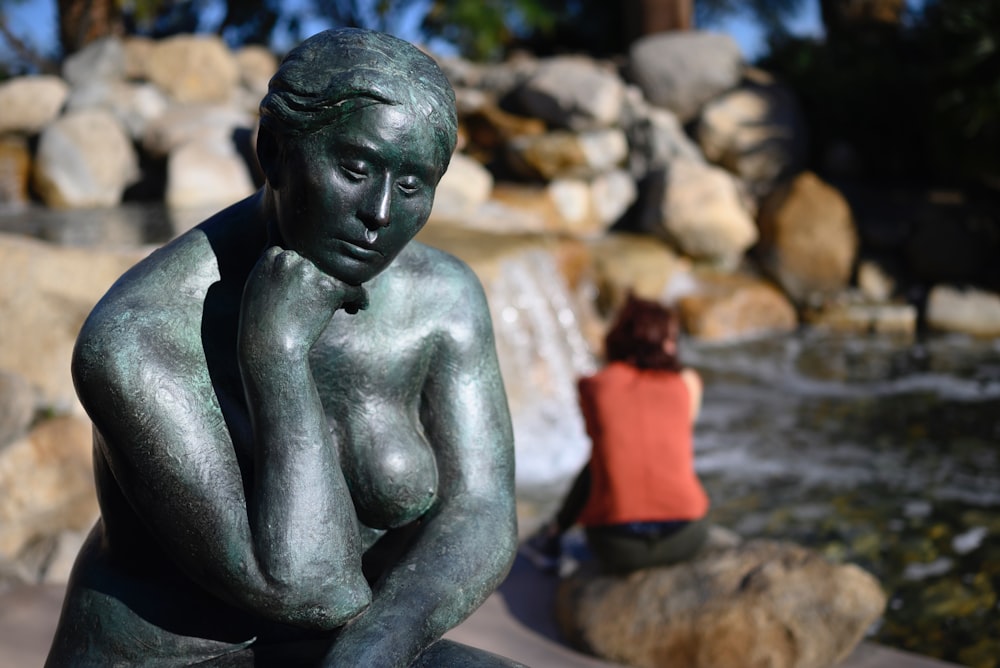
(302, 446)
(639, 498)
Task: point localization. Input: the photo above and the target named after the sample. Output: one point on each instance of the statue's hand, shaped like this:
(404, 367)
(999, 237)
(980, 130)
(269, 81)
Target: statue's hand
(288, 301)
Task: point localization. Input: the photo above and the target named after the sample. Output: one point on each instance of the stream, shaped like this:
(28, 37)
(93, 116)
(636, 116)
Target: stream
(873, 451)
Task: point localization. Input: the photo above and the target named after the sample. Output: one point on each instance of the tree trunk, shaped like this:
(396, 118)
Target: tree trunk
(83, 21)
(646, 17)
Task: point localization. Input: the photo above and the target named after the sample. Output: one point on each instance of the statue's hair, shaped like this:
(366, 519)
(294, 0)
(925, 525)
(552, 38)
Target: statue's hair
(335, 72)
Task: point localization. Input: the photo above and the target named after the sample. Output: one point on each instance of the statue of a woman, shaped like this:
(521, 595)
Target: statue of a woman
(302, 446)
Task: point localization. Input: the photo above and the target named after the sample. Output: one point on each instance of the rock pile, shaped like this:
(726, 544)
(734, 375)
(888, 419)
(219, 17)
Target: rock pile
(680, 141)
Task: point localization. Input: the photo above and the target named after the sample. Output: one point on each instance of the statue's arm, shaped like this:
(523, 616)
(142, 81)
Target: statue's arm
(468, 540)
(162, 432)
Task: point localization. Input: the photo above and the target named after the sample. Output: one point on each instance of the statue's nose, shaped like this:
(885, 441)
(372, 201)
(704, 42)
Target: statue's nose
(378, 204)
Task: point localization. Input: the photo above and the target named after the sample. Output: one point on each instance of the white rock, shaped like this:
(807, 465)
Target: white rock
(84, 159)
(207, 174)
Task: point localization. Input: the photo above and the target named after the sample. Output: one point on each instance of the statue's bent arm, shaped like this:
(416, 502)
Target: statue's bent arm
(162, 433)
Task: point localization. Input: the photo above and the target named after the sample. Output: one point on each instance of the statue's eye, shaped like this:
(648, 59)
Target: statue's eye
(355, 171)
(409, 185)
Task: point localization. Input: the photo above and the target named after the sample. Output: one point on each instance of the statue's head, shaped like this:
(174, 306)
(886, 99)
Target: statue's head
(356, 130)
(335, 72)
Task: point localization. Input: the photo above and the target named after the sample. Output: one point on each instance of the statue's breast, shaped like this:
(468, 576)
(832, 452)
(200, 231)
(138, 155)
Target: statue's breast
(389, 466)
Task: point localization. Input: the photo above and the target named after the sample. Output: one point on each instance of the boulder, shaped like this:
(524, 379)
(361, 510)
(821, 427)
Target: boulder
(655, 137)
(728, 307)
(138, 52)
(257, 65)
(15, 171)
(560, 206)
(487, 128)
(84, 159)
(17, 407)
(681, 71)
(573, 92)
(463, 188)
(135, 105)
(851, 313)
(31, 103)
(567, 154)
(703, 213)
(969, 311)
(808, 242)
(761, 604)
(46, 291)
(48, 484)
(611, 194)
(755, 131)
(637, 262)
(191, 123)
(207, 174)
(194, 68)
(102, 60)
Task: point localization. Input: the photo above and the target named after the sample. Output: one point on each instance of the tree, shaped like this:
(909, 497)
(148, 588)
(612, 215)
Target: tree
(83, 21)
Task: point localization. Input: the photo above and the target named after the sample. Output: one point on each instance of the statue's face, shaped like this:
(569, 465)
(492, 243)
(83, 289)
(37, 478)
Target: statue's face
(350, 197)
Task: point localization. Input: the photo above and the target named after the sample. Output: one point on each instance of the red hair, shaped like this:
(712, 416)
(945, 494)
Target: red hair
(638, 334)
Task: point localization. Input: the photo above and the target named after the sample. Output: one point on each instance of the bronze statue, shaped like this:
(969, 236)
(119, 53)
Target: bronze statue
(302, 447)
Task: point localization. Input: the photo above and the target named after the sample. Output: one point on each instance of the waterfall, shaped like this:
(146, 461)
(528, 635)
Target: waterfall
(538, 321)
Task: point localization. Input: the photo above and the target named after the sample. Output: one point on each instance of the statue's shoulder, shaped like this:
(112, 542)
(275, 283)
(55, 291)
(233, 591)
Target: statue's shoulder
(436, 270)
(445, 291)
(154, 307)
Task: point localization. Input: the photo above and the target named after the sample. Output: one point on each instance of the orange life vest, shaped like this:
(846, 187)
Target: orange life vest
(642, 458)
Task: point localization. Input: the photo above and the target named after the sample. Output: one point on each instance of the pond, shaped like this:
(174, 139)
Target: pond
(878, 452)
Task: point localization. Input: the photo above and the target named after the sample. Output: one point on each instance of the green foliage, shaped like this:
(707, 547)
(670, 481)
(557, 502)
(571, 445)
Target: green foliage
(917, 102)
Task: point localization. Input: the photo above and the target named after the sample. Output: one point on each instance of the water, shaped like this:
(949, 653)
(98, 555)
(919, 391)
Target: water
(878, 452)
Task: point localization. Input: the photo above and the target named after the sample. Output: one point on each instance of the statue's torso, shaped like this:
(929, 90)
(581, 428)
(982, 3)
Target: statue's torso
(370, 384)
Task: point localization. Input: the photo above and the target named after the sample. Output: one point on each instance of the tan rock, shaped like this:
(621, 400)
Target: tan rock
(48, 485)
(567, 154)
(17, 406)
(705, 215)
(46, 291)
(207, 174)
(755, 131)
(762, 604)
(727, 307)
(808, 241)
(488, 128)
(183, 124)
(31, 103)
(463, 188)
(15, 171)
(138, 52)
(970, 311)
(858, 316)
(194, 68)
(257, 65)
(636, 262)
(561, 206)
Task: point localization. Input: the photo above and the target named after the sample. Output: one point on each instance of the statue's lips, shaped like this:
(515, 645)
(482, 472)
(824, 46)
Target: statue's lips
(359, 250)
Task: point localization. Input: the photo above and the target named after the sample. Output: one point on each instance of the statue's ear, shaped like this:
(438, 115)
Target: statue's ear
(268, 155)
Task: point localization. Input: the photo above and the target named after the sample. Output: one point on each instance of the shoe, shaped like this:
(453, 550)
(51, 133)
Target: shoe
(543, 550)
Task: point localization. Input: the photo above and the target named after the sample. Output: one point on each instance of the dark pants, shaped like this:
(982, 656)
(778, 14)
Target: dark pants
(620, 549)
